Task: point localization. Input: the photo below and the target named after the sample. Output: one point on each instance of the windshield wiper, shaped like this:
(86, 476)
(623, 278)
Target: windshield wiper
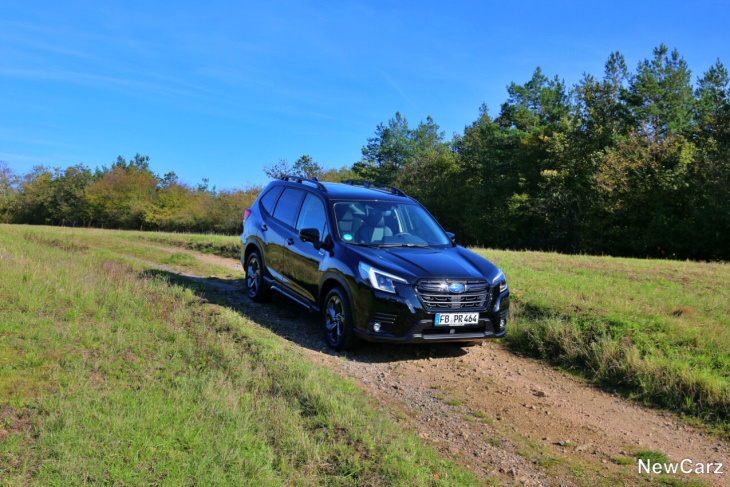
(363, 245)
(405, 245)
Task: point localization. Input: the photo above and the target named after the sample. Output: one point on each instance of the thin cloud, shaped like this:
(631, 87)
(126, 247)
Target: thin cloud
(397, 88)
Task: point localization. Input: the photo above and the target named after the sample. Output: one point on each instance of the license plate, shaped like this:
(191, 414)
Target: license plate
(456, 319)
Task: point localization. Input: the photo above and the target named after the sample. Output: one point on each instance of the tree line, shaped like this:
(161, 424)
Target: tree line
(628, 163)
(129, 195)
(632, 163)
(125, 195)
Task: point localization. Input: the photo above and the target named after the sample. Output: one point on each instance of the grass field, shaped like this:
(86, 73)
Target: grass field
(110, 373)
(656, 330)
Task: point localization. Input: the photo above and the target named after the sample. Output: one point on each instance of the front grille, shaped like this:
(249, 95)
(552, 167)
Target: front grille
(435, 294)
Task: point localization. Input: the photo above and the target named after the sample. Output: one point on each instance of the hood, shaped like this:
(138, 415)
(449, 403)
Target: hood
(413, 263)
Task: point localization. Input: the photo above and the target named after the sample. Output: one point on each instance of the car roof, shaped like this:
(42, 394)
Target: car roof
(340, 191)
(345, 191)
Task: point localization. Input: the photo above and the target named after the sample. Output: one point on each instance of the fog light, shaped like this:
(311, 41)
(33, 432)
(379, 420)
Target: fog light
(502, 324)
(376, 327)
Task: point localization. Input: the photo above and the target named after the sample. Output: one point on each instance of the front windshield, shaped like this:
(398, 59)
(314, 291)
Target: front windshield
(387, 224)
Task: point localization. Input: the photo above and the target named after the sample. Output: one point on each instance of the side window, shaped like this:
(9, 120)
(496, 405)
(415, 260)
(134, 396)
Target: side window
(269, 199)
(312, 214)
(287, 207)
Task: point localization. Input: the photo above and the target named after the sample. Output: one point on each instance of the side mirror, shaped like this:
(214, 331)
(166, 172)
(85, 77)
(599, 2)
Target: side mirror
(327, 245)
(309, 235)
(452, 237)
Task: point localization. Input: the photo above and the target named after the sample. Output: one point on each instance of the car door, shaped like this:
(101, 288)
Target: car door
(304, 271)
(281, 235)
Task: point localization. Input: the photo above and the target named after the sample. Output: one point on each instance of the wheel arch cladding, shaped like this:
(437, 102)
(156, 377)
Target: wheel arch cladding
(330, 282)
(250, 248)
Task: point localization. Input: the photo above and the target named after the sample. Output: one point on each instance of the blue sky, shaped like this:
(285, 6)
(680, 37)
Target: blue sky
(221, 89)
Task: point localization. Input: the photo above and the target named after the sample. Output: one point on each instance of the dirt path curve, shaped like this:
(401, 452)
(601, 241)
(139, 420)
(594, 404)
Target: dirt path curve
(509, 417)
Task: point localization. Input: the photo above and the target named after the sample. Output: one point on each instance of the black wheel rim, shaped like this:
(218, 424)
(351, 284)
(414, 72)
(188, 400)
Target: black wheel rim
(334, 320)
(253, 276)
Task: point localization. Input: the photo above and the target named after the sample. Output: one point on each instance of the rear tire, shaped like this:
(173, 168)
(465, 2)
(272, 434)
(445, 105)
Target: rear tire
(337, 324)
(256, 290)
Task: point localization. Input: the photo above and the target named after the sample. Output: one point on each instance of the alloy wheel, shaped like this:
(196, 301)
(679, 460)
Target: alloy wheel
(253, 276)
(334, 318)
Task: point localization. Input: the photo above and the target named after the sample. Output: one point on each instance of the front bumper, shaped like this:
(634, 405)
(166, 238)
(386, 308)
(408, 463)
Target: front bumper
(403, 319)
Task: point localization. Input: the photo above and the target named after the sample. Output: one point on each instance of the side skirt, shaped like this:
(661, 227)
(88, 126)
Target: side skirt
(294, 297)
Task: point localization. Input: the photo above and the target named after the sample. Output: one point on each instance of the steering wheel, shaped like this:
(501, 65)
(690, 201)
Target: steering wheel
(402, 234)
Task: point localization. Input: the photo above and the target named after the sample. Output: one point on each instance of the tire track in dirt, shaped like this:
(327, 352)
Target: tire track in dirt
(511, 418)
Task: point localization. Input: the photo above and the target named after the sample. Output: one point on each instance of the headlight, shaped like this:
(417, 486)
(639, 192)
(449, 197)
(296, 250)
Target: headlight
(502, 282)
(378, 279)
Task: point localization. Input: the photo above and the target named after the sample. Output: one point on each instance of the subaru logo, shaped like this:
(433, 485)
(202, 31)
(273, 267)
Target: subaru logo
(456, 287)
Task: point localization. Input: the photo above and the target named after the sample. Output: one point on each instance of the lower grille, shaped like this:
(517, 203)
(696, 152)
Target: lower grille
(383, 318)
(435, 294)
(454, 331)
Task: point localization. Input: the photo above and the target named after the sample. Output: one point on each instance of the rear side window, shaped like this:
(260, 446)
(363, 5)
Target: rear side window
(312, 214)
(269, 199)
(287, 207)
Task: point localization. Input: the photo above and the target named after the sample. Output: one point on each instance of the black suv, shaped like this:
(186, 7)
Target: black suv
(372, 261)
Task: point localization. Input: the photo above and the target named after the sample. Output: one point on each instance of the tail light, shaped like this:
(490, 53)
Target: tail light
(246, 214)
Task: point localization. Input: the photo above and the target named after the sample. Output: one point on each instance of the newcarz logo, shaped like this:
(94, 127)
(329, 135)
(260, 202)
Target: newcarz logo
(685, 466)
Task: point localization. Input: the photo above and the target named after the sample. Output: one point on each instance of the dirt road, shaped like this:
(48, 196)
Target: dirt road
(510, 418)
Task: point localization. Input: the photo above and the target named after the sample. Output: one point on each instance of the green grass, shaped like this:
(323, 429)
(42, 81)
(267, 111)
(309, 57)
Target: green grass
(671, 481)
(656, 330)
(110, 373)
(124, 244)
(653, 456)
(547, 462)
(623, 461)
(179, 258)
(222, 245)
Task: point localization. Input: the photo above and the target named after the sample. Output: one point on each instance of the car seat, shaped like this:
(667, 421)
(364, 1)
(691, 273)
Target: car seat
(373, 229)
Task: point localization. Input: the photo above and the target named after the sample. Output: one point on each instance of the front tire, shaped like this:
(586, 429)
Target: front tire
(337, 322)
(255, 287)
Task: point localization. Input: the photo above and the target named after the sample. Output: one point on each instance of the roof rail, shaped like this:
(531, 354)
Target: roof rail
(376, 186)
(301, 179)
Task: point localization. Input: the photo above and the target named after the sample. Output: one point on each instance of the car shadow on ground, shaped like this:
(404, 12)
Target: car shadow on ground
(294, 323)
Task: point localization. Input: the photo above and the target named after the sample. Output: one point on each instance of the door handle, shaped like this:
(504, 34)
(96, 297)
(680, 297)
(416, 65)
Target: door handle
(264, 227)
(290, 241)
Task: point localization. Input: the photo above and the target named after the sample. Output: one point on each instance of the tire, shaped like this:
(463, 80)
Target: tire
(255, 288)
(337, 324)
